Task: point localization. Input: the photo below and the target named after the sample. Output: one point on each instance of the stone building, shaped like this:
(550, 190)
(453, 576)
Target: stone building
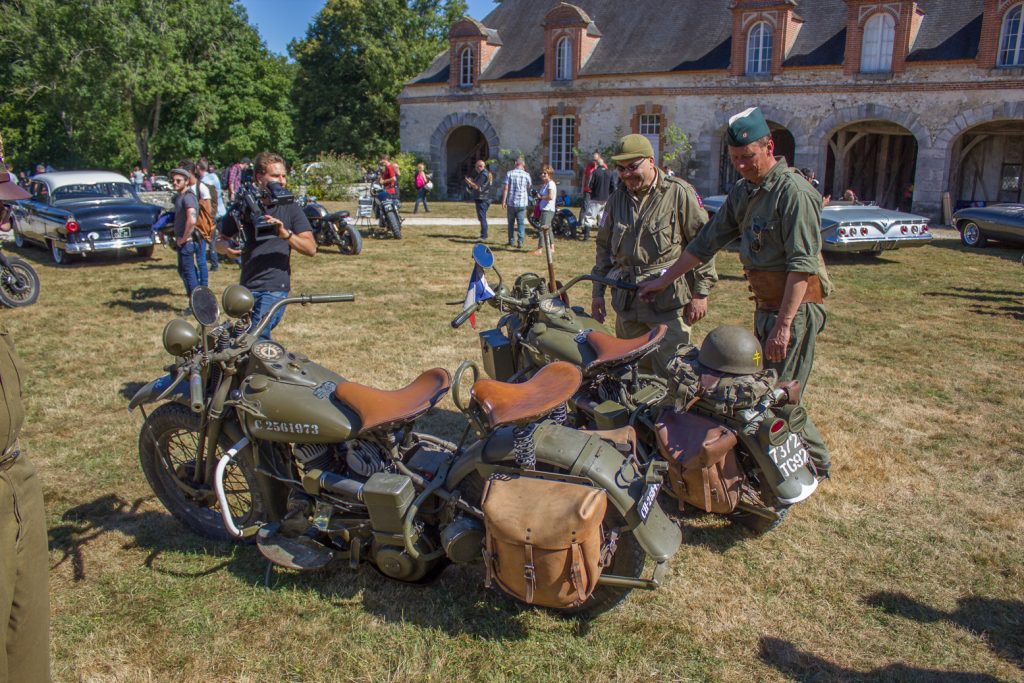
(901, 101)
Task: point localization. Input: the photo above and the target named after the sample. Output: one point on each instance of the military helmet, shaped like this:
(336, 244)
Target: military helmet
(236, 301)
(179, 337)
(732, 349)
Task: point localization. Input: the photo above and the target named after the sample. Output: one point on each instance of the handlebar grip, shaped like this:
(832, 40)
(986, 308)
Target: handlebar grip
(461, 318)
(330, 298)
(195, 388)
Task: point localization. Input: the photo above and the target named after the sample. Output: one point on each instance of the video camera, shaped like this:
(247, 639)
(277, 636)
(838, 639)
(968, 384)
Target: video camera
(252, 202)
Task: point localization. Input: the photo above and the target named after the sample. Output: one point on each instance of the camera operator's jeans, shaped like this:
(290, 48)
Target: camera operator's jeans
(192, 265)
(263, 302)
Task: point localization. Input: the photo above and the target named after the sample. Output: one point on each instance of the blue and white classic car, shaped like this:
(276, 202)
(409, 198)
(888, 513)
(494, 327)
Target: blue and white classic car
(84, 212)
(998, 222)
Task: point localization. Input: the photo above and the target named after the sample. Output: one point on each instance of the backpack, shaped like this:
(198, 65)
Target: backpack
(214, 197)
(205, 224)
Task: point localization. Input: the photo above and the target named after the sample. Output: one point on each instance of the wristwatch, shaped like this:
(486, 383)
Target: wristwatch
(289, 235)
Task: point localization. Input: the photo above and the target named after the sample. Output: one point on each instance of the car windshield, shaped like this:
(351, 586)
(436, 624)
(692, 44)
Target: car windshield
(110, 190)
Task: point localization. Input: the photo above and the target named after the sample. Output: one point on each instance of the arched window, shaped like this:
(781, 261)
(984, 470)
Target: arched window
(1011, 41)
(759, 49)
(466, 67)
(877, 42)
(563, 59)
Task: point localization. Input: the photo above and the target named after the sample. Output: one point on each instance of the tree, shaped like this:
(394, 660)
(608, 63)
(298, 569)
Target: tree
(678, 152)
(353, 63)
(114, 82)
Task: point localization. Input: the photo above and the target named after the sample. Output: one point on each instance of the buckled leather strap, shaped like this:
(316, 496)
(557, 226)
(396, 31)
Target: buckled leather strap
(8, 459)
(530, 574)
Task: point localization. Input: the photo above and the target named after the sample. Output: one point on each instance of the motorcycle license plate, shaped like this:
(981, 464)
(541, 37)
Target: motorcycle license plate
(791, 455)
(646, 502)
(120, 233)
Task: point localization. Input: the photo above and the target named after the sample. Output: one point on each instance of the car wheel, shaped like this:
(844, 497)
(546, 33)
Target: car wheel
(972, 236)
(19, 239)
(144, 252)
(59, 256)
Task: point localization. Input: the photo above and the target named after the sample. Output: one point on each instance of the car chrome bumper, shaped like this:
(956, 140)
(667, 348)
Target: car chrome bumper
(858, 244)
(89, 246)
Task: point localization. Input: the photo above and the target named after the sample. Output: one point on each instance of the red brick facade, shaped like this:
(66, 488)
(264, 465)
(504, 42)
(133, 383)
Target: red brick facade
(746, 14)
(545, 133)
(991, 29)
(907, 16)
(652, 109)
(469, 34)
(568, 21)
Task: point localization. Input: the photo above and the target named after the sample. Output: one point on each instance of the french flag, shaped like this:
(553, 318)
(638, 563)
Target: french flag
(477, 292)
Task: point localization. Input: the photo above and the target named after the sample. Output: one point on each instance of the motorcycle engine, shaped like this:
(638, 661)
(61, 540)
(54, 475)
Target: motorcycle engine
(364, 458)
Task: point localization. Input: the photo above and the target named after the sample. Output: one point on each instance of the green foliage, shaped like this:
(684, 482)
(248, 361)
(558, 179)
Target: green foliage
(353, 63)
(330, 176)
(113, 82)
(678, 152)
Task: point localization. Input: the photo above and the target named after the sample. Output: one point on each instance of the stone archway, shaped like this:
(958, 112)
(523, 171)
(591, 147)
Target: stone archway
(440, 139)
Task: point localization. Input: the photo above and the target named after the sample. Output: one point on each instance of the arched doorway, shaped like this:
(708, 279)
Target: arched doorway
(464, 147)
(986, 166)
(876, 159)
(785, 146)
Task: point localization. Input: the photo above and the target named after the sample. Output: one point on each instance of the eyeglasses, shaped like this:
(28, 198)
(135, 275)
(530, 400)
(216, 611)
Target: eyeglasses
(758, 231)
(630, 168)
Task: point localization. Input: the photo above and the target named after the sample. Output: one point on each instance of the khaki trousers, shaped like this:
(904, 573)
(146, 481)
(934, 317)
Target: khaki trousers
(24, 570)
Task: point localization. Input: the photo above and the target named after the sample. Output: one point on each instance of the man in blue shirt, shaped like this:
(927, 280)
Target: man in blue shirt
(515, 198)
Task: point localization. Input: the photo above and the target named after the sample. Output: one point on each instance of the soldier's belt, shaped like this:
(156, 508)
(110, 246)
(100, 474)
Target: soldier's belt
(769, 286)
(640, 271)
(8, 458)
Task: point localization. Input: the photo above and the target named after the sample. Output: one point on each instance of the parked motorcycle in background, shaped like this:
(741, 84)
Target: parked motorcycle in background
(332, 229)
(383, 205)
(253, 441)
(729, 450)
(563, 224)
(19, 282)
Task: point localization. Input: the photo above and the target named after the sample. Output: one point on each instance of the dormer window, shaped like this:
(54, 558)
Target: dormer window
(466, 68)
(876, 45)
(1011, 40)
(563, 59)
(759, 49)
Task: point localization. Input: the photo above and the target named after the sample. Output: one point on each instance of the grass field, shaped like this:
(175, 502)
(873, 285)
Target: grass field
(908, 565)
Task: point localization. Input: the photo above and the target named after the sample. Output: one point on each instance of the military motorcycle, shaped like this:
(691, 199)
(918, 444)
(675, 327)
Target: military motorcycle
(258, 443)
(332, 228)
(730, 435)
(19, 282)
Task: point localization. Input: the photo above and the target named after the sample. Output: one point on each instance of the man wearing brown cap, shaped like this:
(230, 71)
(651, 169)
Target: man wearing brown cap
(648, 221)
(776, 215)
(24, 558)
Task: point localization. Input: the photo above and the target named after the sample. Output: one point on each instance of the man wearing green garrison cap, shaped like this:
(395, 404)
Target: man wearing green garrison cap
(648, 221)
(776, 214)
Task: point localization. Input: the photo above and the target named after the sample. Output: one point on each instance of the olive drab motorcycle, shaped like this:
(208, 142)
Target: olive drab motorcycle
(256, 442)
(731, 437)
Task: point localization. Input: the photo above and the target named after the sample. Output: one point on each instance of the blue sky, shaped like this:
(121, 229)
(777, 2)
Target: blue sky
(279, 22)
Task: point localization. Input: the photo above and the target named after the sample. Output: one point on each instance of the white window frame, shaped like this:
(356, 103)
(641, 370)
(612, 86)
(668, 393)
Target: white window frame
(466, 68)
(759, 49)
(563, 59)
(876, 45)
(1011, 38)
(561, 140)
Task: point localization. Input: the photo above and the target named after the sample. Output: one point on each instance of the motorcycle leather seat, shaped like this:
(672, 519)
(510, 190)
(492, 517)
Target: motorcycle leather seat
(378, 408)
(336, 216)
(611, 350)
(503, 403)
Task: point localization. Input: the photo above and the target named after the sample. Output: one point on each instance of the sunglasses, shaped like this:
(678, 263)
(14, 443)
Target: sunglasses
(630, 168)
(758, 231)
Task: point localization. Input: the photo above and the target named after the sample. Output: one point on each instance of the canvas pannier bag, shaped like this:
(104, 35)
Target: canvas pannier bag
(703, 469)
(543, 541)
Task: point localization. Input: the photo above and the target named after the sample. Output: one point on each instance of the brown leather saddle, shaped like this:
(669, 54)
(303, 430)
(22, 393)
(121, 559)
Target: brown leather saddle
(503, 404)
(380, 409)
(612, 350)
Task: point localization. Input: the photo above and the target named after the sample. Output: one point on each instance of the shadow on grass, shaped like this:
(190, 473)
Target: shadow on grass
(990, 302)
(129, 389)
(137, 301)
(1005, 252)
(999, 622)
(806, 667)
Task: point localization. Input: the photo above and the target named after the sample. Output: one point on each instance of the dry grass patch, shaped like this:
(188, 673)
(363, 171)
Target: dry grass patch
(907, 566)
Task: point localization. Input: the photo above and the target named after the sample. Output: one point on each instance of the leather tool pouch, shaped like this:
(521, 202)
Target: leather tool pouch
(703, 468)
(543, 541)
(769, 287)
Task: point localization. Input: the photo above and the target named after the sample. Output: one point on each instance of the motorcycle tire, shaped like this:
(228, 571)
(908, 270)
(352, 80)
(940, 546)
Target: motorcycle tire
(167, 446)
(394, 224)
(348, 239)
(19, 283)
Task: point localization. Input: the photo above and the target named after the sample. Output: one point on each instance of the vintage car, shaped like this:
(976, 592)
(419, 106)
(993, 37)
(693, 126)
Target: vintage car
(84, 212)
(999, 222)
(848, 227)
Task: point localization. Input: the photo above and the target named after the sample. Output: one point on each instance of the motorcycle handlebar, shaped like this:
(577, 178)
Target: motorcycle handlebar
(300, 299)
(461, 318)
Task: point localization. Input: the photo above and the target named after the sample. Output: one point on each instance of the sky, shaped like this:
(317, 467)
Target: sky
(280, 22)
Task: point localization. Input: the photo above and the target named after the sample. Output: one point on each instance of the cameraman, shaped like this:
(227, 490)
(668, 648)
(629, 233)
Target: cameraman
(266, 263)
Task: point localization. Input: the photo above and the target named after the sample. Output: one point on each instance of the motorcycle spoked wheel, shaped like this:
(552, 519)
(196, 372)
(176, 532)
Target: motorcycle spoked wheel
(394, 224)
(348, 239)
(167, 447)
(19, 283)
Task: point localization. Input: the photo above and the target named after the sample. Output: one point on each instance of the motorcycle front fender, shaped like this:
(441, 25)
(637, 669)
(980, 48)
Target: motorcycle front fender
(169, 386)
(581, 454)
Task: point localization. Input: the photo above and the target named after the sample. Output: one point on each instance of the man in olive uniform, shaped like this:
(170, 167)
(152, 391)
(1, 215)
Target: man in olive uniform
(776, 214)
(24, 559)
(648, 221)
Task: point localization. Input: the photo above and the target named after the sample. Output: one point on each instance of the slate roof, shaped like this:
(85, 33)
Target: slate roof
(643, 36)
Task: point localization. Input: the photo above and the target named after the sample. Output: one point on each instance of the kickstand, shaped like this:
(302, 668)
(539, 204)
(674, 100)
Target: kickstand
(268, 575)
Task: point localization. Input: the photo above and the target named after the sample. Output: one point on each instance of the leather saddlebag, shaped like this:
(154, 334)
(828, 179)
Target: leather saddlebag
(543, 540)
(703, 468)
